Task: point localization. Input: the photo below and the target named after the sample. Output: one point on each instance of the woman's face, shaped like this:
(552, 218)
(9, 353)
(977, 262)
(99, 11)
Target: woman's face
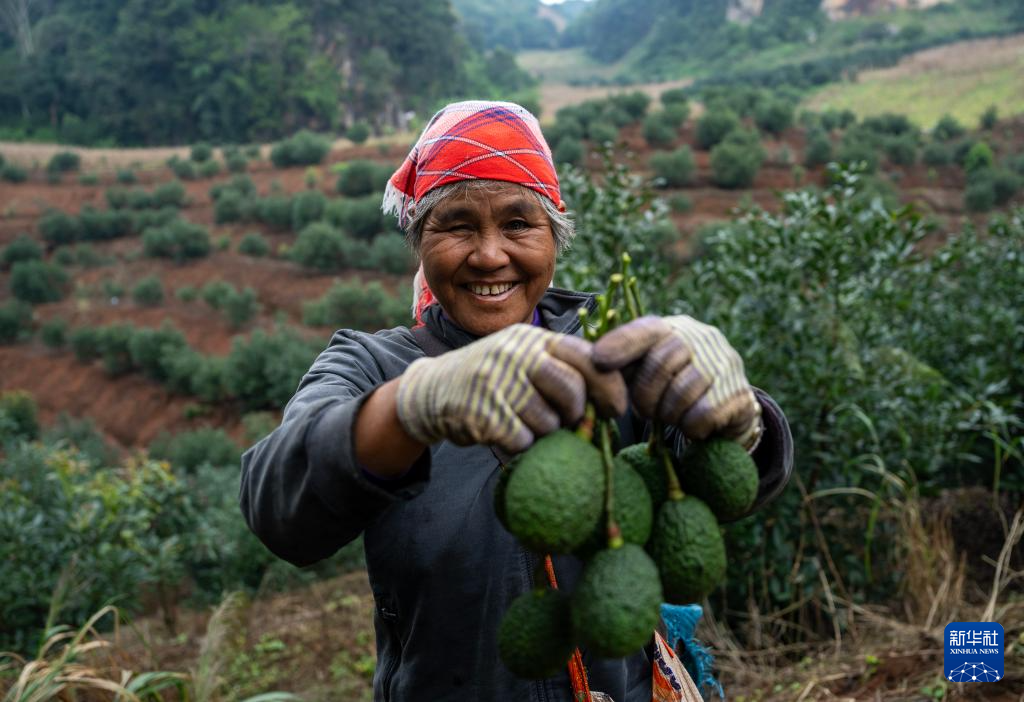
(488, 257)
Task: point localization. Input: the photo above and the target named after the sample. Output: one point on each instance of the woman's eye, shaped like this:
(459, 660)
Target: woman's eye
(518, 225)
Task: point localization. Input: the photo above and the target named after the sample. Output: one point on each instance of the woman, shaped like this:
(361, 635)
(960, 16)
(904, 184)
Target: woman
(396, 435)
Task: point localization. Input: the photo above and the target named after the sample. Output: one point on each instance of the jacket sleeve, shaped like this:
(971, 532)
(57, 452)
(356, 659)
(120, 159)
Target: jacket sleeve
(302, 491)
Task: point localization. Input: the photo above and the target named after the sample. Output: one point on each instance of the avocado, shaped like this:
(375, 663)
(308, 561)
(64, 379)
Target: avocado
(555, 493)
(535, 637)
(631, 505)
(688, 549)
(649, 468)
(722, 474)
(617, 602)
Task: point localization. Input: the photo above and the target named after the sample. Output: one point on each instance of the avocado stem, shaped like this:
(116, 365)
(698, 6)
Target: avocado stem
(585, 430)
(614, 533)
(659, 450)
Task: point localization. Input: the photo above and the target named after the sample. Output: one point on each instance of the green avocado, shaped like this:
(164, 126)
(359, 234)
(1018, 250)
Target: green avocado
(688, 549)
(722, 474)
(650, 469)
(617, 602)
(555, 493)
(631, 504)
(535, 637)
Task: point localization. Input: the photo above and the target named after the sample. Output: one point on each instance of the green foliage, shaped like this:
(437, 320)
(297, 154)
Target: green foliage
(126, 176)
(262, 372)
(356, 306)
(857, 148)
(837, 119)
(15, 321)
(989, 118)
(774, 115)
(152, 350)
(866, 345)
(190, 450)
(360, 177)
(568, 152)
(674, 96)
(183, 168)
(13, 173)
(948, 129)
(102, 225)
(179, 240)
(275, 211)
(171, 194)
(307, 207)
(24, 248)
(36, 282)
(680, 203)
(85, 343)
(818, 150)
(58, 228)
(201, 152)
(208, 169)
(602, 132)
(320, 246)
(254, 244)
(937, 154)
(673, 169)
(18, 418)
(304, 148)
(901, 150)
(88, 179)
(236, 161)
(240, 307)
(1005, 184)
(358, 133)
(229, 207)
(714, 125)
(54, 333)
(63, 162)
(658, 132)
(114, 347)
(148, 291)
(388, 253)
(736, 160)
(980, 157)
(82, 435)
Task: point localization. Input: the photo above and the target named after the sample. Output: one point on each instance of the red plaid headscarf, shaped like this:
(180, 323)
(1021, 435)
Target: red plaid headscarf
(472, 140)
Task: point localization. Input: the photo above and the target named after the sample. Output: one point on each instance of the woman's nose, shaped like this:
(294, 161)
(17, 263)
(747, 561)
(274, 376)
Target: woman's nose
(489, 250)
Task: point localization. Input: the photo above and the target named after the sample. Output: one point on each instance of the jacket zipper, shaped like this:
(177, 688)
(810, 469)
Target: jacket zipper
(390, 619)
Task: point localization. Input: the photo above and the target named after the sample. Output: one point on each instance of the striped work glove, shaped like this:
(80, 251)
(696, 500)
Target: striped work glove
(686, 375)
(505, 389)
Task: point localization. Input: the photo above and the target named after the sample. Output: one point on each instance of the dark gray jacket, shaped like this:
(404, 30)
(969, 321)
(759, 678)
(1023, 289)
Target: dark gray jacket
(441, 567)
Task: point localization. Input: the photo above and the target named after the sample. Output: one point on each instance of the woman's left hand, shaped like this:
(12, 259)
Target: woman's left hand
(684, 374)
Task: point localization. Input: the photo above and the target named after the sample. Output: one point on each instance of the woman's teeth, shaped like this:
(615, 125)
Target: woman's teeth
(491, 289)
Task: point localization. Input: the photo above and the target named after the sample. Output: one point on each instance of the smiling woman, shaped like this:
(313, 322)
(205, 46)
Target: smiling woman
(397, 435)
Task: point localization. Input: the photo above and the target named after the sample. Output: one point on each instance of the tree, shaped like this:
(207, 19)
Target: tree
(713, 125)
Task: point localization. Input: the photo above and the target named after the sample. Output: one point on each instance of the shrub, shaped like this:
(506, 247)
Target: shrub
(209, 169)
(58, 227)
(356, 306)
(1005, 185)
(360, 177)
(54, 333)
(855, 148)
(1016, 164)
(86, 256)
(948, 129)
(304, 148)
(240, 307)
(838, 119)
(989, 118)
(980, 195)
(358, 133)
(673, 169)
(179, 240)
(126, 176)
(674, 96)
(85, 343)
(201, 152)
(182, 168)
(18, 415)
(236, 162)
(88, 179)
(263, 371)
(13, 173)
(148, 291)
(713, 125)
(658, 132)
(568, 151)
(901, 150)
(145, 219)
(170, 194)
(64, 256)
(936, 154)
(680, 203)
(319, 246)
(980, 157)
(253, 244)
(188, 450)
(82, 435)
(242, 185)
(736, 160)
(818, 150)
(103, 225)
(187, 293)
(361, 217)
(24, 248)
(36, 282)
(602, 132)
(774, 115)
(307, 207)
(215, 292)
(563, 128)
(151, 350)
(676, 114)
(275, 211)
(229, 207)
(63, 162)
(389, 253)
(889, 124)
(15, 321)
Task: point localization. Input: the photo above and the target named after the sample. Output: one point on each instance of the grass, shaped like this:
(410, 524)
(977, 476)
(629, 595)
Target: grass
(961, 79)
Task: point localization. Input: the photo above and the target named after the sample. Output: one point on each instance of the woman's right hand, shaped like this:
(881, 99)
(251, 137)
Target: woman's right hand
(506, 389)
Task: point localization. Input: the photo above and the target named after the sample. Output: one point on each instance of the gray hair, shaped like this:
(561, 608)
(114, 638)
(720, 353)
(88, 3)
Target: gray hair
(562, 226)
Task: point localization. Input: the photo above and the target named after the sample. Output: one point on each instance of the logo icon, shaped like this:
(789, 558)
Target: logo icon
(974, 652)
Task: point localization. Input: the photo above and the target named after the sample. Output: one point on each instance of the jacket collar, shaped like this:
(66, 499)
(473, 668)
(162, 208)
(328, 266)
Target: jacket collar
(558, 312)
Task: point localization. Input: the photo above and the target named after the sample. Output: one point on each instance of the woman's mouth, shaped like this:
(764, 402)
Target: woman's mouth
(495, 292)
